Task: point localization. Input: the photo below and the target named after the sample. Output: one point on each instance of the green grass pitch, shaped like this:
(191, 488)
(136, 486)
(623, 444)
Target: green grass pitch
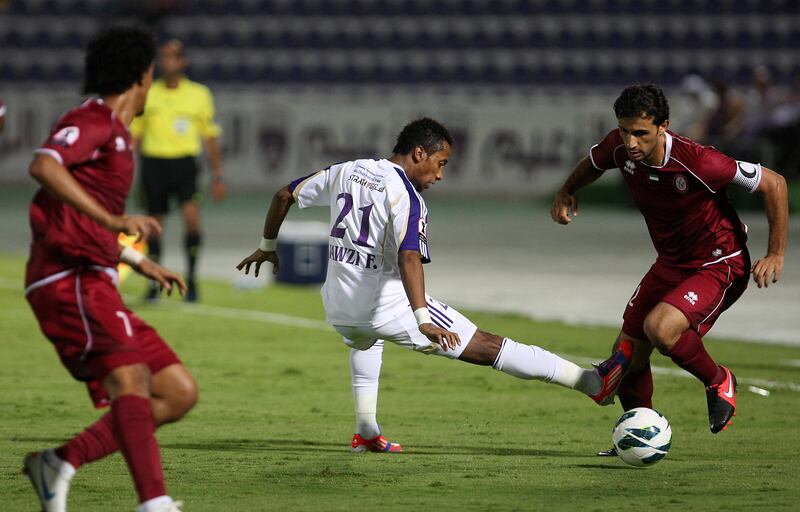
(273, 424)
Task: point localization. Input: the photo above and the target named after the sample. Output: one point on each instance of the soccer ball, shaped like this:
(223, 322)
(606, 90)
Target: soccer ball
(642, 437)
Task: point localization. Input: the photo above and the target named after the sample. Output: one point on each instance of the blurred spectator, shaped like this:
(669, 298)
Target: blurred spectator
(2, 114)
(785, 131)
(724, 123)
(702, 102)
(761, 101)
(760, 125)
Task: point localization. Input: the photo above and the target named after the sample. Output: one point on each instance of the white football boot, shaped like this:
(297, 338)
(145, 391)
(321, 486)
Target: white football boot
(50, 477)
(161, 504)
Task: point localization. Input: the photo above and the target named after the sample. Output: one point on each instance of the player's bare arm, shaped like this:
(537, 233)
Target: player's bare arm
(276, 214)
(413, 278)
(776, 203)
(566, 202)
(59, 182)
(214, 152)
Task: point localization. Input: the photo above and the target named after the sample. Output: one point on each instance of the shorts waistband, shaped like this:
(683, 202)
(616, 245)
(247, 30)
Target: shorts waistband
(111, 272)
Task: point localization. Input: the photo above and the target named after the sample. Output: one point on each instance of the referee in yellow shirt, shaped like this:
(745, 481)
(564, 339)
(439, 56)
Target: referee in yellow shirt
(178, 115)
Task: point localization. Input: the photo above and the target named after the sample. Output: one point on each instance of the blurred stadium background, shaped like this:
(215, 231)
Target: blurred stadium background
(525, 85)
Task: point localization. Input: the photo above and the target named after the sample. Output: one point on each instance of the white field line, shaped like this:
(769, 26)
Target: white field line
(317, 325)
(253, 315)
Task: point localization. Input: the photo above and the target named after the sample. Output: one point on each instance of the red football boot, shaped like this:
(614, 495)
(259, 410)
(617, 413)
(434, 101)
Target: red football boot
(376, 444)
(721, 402)
(612, 370)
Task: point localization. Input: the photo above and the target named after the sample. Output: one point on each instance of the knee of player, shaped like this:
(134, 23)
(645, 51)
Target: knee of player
(128, 380)
(659, 333)
(489, 344)
(185, 394)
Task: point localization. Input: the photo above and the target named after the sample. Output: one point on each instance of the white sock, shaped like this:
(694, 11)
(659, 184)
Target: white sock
(365, 370)
(532, 362)
(155, 504)
(65, 469)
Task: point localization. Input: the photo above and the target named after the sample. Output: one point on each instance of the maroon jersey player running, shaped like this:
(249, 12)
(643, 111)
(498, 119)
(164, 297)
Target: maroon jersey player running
(703, 265)
(85, 169)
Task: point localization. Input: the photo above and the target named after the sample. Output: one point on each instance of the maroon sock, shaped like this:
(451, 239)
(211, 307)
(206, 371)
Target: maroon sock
(690, 354)
(92, 444)
(134, 430)
(636, 389)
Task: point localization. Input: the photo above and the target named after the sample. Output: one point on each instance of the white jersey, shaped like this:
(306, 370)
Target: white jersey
(375, 213)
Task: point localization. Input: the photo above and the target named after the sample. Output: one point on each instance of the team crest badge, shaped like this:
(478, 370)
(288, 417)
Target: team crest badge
(67, 136)
(681, 185)
(629, 166)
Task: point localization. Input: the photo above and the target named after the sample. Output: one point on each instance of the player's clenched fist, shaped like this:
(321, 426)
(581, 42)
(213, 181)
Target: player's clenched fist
(258, 258)
(442, 337)
(564, 204)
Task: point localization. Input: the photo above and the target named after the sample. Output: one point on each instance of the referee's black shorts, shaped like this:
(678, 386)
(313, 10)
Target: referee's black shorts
(163, 178)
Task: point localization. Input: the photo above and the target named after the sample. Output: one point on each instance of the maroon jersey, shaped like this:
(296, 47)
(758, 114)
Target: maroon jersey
(95, 146)
(684, 203)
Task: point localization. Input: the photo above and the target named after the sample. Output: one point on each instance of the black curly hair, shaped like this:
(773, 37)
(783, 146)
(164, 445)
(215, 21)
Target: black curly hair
(642, 101)
(425, 132)
(116, 59)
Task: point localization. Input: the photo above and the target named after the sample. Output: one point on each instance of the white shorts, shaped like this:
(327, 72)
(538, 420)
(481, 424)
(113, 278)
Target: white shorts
(402, 330)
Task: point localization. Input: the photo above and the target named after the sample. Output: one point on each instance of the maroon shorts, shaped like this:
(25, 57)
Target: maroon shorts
(82, 314)
(700, 293)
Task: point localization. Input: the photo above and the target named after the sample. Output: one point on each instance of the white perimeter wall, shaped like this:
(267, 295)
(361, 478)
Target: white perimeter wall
(506, 145)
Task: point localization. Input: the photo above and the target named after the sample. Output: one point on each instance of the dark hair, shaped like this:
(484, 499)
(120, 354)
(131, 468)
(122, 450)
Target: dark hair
(116, 59)
(642, 101)
(425, 132)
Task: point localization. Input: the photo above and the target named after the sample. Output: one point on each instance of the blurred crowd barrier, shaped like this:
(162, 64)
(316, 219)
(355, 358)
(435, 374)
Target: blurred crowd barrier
(507, 146)
(510, 147)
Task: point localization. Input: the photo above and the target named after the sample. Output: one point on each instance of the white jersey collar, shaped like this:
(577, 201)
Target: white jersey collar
(667, 153)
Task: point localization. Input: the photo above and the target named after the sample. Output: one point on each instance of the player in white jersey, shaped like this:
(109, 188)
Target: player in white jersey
(375, 287)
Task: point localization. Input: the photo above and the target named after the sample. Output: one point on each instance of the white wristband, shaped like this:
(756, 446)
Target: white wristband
(131, 256)
(423, 316)
(268, 244)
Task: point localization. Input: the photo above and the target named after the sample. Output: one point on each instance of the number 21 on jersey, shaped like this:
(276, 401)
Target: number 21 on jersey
(339, 231)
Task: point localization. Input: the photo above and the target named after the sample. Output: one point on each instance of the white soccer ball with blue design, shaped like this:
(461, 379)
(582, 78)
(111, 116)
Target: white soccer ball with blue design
(642, 437)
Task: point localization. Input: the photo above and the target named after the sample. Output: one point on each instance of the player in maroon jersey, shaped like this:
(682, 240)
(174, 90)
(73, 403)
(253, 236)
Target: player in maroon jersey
(703, 265)
(85, 169)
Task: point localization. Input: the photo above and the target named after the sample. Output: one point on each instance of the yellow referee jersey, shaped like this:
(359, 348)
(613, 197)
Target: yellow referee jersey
(175, 120)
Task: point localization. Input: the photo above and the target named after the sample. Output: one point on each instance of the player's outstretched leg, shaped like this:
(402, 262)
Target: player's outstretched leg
(532, 362)
(365, 369)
